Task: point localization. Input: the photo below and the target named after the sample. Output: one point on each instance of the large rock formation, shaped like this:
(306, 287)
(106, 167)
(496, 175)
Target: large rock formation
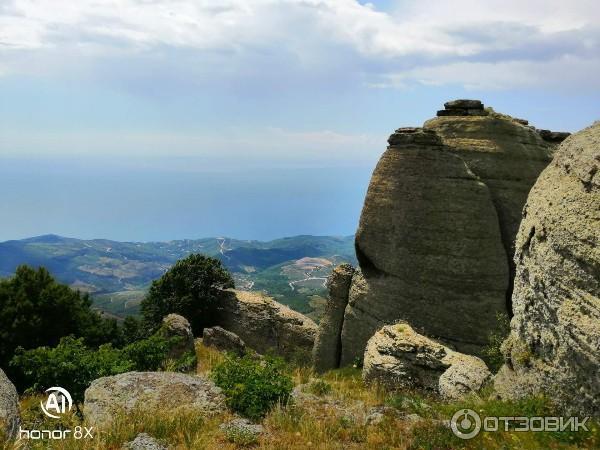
(399, 358)
(554, 344)
(145, 392)
(266, 325)
(9, 407)
(328, 343)
(178, 329)
(436, 235)
(429, 246)
(223, 340)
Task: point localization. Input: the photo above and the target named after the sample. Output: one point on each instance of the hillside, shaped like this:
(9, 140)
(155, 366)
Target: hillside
(117, 274)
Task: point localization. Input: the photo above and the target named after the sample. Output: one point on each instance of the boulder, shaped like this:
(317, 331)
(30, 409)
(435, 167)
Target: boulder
(266, 325)
(9, 407)
(463, 104)
(143, 441)
(553, 136)
(554, 345)
(397, 357)
(241, 427)
(183, 348)
(223, 340)
(167, 392)
(430, 249)
(328, 342)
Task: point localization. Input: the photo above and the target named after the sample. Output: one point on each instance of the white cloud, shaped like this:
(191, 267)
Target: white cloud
(422, 41)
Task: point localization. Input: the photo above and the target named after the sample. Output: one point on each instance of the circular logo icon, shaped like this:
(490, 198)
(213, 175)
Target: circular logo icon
(59, 402)
(465, 423)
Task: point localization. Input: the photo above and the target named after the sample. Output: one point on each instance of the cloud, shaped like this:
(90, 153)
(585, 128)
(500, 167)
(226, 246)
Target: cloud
(208, 41)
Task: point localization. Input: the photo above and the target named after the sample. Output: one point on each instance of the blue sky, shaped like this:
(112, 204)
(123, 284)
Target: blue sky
(155, 89)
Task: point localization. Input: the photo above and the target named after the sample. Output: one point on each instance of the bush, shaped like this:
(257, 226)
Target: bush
(252, 387)
(37, 311)
(70, 364)
(190, 288)
(492, 353)
(73, 365)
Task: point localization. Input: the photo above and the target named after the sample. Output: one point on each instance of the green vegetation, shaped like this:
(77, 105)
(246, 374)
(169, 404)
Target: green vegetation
(253, 386)
(117, 275)
(493, 352)
(191, 288)
(35, 310)
(71, 363)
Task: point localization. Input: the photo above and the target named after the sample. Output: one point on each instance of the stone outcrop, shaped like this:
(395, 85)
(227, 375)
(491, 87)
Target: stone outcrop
(266, 325)
(328, 343)
(397, 357)
(554, 345)
(143, 441)
(463, 108)
(435, 242)
(223, 340)
(429, 247)
(167, 392)
(9, 407)
(176, 326)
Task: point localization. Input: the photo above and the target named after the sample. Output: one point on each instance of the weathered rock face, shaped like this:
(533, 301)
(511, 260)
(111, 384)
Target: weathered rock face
(503, 153)
(223, 340)
(554, 344)
(149, 391)
(429, 246)
(9, 407)
(266, 325)
(399, 358)
(178, 326)
(435, 241)
(328, 343)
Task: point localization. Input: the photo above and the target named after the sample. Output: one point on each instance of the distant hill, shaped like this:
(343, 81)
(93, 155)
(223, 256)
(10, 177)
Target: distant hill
(117, 274)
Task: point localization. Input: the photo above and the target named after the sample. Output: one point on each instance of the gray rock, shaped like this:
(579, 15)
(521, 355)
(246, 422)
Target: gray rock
(554, 346)
(397, 357)
(144, 441)
(178, 326)
(242, 426)
(266, 325)
(429, 247)
(463, 104)
(168, 392)
(553, 136)
(223, 340)
(377, 414)
(9, 407)
(328, 343)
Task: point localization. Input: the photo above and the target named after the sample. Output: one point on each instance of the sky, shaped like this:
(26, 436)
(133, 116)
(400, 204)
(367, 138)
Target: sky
(167, 119)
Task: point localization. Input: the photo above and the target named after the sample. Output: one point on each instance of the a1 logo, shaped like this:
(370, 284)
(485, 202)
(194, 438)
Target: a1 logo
(59, 402)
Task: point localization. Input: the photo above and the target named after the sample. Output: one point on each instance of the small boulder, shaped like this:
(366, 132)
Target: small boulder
(397, 357)
(176, 326)
(241, 431)
(9, 407)
(143, 441)
(168, 392)
(223, 340)
(463, 104)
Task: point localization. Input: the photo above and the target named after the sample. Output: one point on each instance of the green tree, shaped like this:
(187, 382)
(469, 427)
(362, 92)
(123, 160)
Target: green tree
(37, 311)
(192, 288)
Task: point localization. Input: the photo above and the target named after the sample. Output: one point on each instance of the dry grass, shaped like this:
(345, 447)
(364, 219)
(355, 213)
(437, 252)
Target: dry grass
(333, 419)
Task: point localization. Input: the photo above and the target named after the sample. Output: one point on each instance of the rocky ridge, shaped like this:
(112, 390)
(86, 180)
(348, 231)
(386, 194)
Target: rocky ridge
(554, 345)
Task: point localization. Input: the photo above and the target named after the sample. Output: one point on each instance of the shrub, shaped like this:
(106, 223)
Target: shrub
(70, 364)
(191, 288)
(320, 388)
(37, 311)
(251, 386)
(73, 365)
(493, 353)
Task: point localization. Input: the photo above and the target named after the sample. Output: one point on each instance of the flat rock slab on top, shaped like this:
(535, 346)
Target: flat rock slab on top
(463, 104)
